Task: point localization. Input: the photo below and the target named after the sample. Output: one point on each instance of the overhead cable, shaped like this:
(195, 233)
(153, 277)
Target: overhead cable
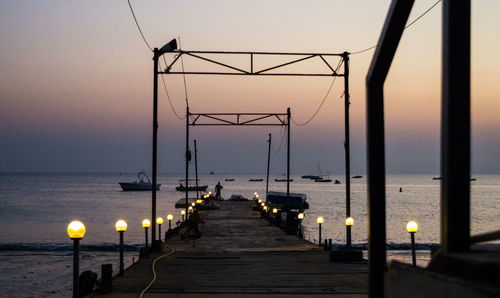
(406, 27)
(138, 26)
(324, 99)
(282, 139)
(169, 99)
(183, 74)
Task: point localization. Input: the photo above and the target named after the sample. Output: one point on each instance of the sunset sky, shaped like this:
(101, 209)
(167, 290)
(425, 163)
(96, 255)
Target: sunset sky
(76, 85)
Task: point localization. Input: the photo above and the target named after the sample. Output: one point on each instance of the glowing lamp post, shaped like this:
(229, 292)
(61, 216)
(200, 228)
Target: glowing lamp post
(319, 221)
(76, 230)
(199, 201)
(183, 213)
(262, 204)
(170, 217)
(121, 227)
(412, 228)
(300, 215)
(146, 223)
(159, 222)
(349, 222)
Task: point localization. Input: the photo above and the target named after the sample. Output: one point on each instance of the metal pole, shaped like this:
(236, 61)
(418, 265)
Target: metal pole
(288, 116)
(413, 255)
(196, 169)
(76, 267)
(268, 163)
(319, 240)
(186, 158)
(159, 232)
(347, 103)
(146, 234)
(155, 141)
(121, 253)
(455, 127)
(169, 224)
(392, 31)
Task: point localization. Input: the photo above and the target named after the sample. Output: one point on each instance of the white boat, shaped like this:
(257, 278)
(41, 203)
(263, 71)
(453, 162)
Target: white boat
(143, 184)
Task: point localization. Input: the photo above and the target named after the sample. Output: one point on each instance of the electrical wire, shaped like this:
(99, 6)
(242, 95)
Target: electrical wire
(154, 271)
(168, 96)
(406, 27)
(323, 101)
(139, 27)
(281, 143)
(184, 74)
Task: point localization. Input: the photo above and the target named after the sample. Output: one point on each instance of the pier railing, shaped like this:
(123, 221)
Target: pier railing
(455, 134)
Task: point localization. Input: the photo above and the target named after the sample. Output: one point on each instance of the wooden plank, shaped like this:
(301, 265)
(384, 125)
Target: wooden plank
(239, 253)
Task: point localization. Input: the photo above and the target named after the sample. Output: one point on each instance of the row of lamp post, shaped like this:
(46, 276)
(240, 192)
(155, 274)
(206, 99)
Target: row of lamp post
(411, 227)
(76, 231)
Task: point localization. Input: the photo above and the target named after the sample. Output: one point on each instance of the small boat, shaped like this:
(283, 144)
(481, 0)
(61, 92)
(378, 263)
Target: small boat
(229, 179)
(436, 178)
(337, 181)
(192, 188)
(255, 180)
(294, 201)
(237, 198)
(472, 179)
(312, 177)
(143, 184)
(283, 180)
(322, 180)
(212, 172)
(357, 177)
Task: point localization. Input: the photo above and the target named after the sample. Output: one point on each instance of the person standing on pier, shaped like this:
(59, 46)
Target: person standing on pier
(218, 188)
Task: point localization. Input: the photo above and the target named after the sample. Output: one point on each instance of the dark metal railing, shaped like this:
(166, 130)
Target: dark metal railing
(392, 31)
(455, 135)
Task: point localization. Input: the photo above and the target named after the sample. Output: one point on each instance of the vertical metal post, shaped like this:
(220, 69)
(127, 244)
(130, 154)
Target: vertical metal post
(319, 236)
(159, 232)
(413, 254)
(121, 253)
(186, 158)
(347, 103)
(146, 234)
(196, 169)
(288, 116)
(268, 163)
(76, 267)
(155, 142)
(455, 127)
(387, 45)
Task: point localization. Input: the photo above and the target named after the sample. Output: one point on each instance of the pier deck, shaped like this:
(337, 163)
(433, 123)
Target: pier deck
(240, 255)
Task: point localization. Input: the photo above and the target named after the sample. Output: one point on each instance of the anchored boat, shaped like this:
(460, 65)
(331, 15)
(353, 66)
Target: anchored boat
(294, 201)
(192, 188)
(143, 184)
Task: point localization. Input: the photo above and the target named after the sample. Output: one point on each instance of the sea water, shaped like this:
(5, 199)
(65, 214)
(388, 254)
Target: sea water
(35, 251)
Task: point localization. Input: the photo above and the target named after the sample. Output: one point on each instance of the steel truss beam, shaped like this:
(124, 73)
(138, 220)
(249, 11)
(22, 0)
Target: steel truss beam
(242, 119)
(233, 70)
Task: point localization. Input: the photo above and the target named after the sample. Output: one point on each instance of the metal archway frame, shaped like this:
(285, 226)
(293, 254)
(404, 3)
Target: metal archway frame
(170, 49)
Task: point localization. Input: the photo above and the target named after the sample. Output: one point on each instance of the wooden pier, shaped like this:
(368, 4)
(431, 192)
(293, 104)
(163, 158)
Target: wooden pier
(241, 255)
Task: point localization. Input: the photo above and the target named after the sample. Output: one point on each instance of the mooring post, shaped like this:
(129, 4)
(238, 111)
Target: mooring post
(268, 163)
(187, 157)
(155, 142)
(196, 169)
(347, 104)
(288, 116)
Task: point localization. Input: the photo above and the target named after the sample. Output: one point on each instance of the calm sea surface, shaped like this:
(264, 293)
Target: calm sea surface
(36, 208)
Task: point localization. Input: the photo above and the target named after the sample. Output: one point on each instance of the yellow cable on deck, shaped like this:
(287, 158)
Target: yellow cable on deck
(154, 271)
